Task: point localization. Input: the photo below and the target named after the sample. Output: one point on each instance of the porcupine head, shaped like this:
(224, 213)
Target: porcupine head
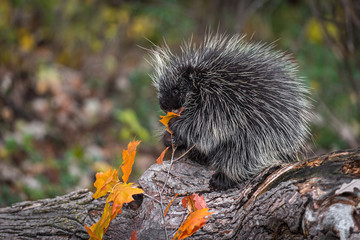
(244, 107)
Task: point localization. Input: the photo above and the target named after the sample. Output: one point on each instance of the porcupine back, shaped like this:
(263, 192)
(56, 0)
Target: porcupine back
(245, 106)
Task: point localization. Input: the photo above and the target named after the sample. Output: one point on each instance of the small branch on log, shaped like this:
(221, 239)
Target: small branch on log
(317, 198)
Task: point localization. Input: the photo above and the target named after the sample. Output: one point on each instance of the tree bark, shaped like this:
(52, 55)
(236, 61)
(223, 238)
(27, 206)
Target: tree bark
(314, 199)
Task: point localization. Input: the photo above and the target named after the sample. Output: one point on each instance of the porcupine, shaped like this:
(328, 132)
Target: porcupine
(244, 105)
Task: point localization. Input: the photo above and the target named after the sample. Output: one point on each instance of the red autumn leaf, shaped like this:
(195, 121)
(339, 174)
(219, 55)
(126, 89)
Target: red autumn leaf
(165, 119)
(105, 182)
(193, 222)
(161, 157)
(199, 201)
(97, 230)
(133, 236)
(128, 159)
(193, 202)
(168, 206)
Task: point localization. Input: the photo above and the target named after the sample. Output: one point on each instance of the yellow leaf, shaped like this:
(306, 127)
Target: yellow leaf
(105, 182)
(165, 119)
(141, 26)
(26, 42)
(315, 30)
(122, 193)
(128, 159)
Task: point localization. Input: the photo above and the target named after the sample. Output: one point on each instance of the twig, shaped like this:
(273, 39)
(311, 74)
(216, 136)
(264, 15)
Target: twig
(171, 162)
(146, 195)
(185, 153)
(162, 212)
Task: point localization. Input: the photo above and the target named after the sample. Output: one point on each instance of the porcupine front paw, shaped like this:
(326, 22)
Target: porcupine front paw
(219, 181)
(171, 140)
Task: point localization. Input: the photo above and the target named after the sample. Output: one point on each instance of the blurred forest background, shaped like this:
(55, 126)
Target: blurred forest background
(74, 84)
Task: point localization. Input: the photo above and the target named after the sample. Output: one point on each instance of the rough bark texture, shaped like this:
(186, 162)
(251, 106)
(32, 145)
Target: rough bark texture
(314, 199)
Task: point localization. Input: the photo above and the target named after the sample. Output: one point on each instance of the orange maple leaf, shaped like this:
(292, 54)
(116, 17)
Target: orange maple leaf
(105, 182)
(128, 159)
(193, 202)
(122, 193)
(165, 119)
(97, 230)
(193, 222)
(159, 160)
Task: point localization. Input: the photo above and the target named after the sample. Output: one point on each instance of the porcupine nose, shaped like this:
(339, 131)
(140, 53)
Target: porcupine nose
(164, 106)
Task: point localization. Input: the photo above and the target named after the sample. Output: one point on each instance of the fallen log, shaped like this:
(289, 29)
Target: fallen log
(318, 198)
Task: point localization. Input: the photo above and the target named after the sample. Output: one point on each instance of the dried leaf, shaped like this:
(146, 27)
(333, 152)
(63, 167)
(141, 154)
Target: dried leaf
(193, 202)
(199, 201)
(133, 236)
(187, 202)
(128, 159)
(161, 157)
(165, 119)
(97, 230)
(168, 206)
(105, 182)
(193, 222)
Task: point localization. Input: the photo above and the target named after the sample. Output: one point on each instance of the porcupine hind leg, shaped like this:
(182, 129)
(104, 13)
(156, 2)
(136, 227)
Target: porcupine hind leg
(225, 162)
(234, 163)
(221, 181)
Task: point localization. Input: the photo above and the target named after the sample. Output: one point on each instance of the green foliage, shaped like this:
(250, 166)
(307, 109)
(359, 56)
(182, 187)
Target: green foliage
(7, 196)
(131, 124)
